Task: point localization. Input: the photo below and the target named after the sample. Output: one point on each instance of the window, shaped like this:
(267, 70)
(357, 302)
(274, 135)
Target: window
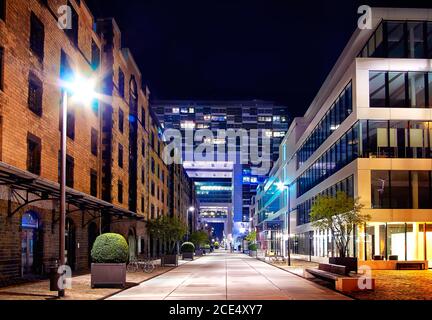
(120, 155)
(143, 148)
(34, 152)
(152, 165)
(397, 93)
(400, 189)
(399, 89)
(1, 67)
(416, 40)
(142, 210)
(71, 124)
(152, 189)
(73, 32)
(95, 56)
(121, 83)
(380, 189)
(2, 9)
(37, 36)
(93, 183)
(396, 39)
(35, 94)
(121, 121)
(152, 211)
(120, 192)
(94, 142)
(429, 40)
(142, 175)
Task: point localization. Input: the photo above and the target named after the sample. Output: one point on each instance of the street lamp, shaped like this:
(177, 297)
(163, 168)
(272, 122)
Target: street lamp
(82, 90)
(281, 186)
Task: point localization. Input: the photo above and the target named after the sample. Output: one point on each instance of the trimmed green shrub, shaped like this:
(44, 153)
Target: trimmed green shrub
(253, 247)
(206, 246)
(110, 248)
(187, 247)
(216, 245)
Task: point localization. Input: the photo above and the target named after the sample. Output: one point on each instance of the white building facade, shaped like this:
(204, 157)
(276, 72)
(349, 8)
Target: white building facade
(368, 132)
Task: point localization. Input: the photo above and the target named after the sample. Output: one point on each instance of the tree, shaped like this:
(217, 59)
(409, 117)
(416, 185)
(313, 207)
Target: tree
(169, 230)
(251, 237)
(340, 215)
(199, 238)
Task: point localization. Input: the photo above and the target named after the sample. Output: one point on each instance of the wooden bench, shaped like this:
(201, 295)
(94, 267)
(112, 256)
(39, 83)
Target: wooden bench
(410, 266)
(339, 275)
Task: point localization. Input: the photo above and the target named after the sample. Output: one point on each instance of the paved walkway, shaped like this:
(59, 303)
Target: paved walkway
(224, 276)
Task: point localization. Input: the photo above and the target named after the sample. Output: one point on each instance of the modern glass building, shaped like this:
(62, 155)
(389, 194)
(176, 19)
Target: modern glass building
(368, 132)
(270, 118)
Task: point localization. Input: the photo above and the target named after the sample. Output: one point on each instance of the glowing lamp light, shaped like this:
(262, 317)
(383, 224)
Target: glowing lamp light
(192, 209)
(281, 186)
(82, 89)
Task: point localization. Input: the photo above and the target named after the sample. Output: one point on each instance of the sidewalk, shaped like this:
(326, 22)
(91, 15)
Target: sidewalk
(81, 289)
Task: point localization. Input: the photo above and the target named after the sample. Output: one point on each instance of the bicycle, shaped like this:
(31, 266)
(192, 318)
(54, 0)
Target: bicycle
(147, 265)
(133, 266)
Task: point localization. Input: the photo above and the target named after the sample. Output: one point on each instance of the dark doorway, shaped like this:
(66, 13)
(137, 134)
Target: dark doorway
(70, 244)
(31, 245)
(93, 232)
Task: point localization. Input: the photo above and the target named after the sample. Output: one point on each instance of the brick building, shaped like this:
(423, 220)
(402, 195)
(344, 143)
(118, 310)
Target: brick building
(111, 148)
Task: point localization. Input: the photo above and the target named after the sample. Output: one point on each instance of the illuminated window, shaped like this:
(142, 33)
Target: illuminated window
(184, 110)
(187, 125)
(207, 118)
(175, 110)
(191, 110)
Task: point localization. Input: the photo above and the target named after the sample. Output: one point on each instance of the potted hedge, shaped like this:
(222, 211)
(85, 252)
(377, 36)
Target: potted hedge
(206, 248)
(216, 245)
(253, 248)
(187, 250)
(199, 239)
(109, 254)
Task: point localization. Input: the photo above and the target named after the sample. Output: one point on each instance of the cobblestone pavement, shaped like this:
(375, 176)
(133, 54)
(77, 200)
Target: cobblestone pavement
(399, 285)
(390, 284)
(81, 289)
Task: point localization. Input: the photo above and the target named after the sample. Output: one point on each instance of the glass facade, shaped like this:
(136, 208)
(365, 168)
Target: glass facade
(344, 151)
(401, 189)
(395, 139)
(338, 112)
(303, 209)
(400, 39)
(402, 241)
(400, 89)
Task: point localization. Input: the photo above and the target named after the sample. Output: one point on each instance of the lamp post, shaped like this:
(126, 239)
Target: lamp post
(82, 90)
(282, 187)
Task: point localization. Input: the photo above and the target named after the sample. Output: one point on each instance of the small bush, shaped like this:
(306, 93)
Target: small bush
(110, 248)
(216, 245)
(206, 246)
(187, 247)
(253, 247)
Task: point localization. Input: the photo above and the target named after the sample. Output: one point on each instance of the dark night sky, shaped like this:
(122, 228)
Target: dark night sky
(233, 49)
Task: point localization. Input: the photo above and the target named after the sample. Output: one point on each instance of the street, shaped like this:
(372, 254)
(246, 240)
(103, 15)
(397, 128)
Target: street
(225, 276)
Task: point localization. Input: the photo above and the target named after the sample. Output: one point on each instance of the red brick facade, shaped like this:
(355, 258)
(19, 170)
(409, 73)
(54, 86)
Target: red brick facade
(124, 100)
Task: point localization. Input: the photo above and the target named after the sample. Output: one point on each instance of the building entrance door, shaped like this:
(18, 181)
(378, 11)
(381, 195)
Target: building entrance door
(30, 240)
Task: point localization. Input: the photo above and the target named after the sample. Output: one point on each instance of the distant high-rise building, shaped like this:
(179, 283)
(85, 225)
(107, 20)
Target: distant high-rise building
(225, 188)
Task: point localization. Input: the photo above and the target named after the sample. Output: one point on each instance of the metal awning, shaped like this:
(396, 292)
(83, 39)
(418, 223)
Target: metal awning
(43, 189)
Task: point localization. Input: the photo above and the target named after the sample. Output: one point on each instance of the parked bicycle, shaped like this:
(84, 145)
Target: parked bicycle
(146, 265)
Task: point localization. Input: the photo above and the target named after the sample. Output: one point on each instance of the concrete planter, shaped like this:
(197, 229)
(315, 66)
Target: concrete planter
(169, 259)
(108, 275)
(253, 254)
(188, 256)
